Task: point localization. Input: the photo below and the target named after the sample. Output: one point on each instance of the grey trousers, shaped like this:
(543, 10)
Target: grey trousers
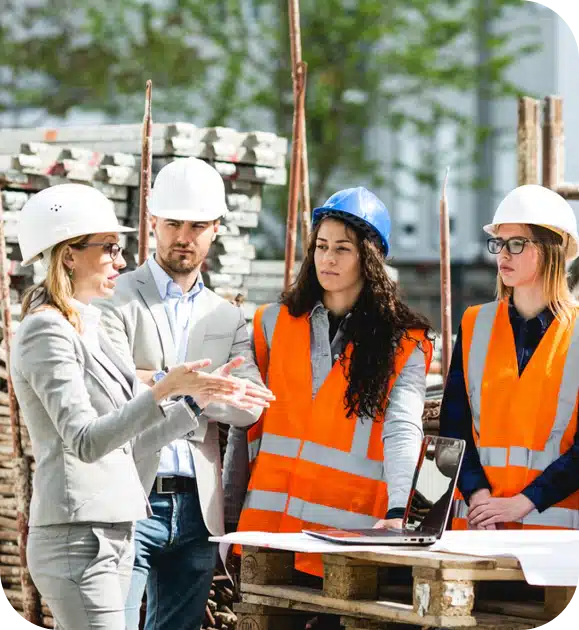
(83, 571)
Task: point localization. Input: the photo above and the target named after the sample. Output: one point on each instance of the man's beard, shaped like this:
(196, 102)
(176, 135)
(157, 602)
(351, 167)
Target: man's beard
(179, 264)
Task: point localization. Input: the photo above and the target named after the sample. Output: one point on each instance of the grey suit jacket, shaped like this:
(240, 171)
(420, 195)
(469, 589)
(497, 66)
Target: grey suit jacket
(88, 429)
(136, 322)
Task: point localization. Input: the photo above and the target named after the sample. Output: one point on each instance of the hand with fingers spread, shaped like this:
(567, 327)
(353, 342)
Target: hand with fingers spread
(188, 380)
(491, 511)
(249, 394)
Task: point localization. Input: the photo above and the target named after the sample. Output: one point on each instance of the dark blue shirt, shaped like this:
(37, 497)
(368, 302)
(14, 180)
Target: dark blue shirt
(561, 478)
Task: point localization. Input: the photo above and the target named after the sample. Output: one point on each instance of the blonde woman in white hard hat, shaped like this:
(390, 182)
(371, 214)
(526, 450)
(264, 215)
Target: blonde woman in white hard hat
(88, 425)
(514, 378)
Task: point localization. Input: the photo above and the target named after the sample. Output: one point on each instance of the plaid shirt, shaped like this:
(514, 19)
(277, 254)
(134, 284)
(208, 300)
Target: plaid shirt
(561, 478)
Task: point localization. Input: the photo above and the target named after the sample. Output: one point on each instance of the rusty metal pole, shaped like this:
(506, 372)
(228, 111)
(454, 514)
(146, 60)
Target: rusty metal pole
(296, 58)
(528, 141)
(31, 605)
(306, 214)
(295, 174)
(445, 296)
(146, 176)
(553, 141)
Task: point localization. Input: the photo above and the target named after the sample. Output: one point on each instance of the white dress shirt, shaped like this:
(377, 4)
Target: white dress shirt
(176, 458)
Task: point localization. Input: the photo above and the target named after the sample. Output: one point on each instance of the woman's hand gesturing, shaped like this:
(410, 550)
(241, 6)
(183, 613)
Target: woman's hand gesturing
(188, 380)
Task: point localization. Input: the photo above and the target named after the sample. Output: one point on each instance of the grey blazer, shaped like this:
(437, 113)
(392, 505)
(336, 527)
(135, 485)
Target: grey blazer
(88, 429)
(136, 322)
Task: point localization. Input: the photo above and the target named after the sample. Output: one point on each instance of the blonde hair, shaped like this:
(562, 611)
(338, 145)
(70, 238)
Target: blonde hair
(57, 289)
(552, 258)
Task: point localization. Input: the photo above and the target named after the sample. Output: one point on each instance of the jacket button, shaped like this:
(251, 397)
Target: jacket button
(126, 449)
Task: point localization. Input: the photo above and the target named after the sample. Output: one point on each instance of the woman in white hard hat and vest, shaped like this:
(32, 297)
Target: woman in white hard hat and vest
(347, 362)
(513, 384)
(88, 423)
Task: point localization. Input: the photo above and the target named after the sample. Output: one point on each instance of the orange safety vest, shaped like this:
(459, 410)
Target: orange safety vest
(311, 466)
(521, 424)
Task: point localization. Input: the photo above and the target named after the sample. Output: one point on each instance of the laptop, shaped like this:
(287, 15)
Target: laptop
(429, 502)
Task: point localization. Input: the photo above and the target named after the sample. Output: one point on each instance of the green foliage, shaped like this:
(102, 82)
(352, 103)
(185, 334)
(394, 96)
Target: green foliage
(399, 64)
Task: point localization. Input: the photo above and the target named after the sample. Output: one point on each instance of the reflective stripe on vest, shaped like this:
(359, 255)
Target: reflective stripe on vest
(266, 319)
(355, 462)
(517, 455)
(551, 517)
(306, 511)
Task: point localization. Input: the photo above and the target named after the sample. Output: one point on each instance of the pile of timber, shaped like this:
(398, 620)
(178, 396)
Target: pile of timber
(107, 157)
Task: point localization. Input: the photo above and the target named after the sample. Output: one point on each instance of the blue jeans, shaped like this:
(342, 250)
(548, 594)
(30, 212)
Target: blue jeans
(175, 562)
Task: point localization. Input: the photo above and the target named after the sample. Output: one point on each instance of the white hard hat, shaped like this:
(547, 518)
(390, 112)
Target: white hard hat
(188, 189)
(62, 212)
(537, 205)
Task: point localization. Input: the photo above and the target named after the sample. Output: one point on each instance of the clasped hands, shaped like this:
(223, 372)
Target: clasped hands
(219, 386)
(486, 512)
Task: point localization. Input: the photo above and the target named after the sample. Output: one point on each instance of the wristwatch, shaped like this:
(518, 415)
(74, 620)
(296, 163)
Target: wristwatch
(157, 376)
(195, 408)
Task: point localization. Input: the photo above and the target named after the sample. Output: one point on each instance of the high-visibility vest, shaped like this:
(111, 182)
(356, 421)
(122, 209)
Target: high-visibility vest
(520, 424)
(311, 466)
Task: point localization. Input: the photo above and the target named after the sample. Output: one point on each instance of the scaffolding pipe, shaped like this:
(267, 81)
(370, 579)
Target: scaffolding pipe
(146, 176)
(445, 291)
(296, 58)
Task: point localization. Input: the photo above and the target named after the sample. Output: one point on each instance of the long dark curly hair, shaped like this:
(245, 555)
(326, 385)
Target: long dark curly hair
(379, 321)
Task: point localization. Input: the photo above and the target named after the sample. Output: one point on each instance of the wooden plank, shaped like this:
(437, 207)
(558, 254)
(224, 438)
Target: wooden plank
(433, 560)
(474, 575)
(514, 609)
(377, 610)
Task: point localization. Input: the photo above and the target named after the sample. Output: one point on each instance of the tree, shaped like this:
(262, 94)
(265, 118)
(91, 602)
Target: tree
(398, 64)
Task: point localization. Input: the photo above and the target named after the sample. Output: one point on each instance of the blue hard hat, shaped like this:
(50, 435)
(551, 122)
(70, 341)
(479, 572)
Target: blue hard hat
(360, 207)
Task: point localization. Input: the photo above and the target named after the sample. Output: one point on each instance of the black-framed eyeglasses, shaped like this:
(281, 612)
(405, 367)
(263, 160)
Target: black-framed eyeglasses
(113, 249)
(514, 245)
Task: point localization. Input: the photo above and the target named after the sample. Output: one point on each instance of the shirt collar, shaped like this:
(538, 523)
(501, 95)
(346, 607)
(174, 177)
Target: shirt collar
(544, 318)
(319, 305)
(167, 287)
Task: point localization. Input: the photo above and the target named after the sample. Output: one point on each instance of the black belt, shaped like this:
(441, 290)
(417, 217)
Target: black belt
(174, 485)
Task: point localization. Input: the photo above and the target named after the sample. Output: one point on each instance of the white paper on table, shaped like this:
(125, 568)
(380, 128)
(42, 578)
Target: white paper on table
(547, 557)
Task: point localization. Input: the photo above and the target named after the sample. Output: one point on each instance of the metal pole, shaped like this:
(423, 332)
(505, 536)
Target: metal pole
(528, 141)
(445, 297)
(553, 140)
(296, 58)
(31, 605)
(146, 168)
(305, 193)
(295, 173)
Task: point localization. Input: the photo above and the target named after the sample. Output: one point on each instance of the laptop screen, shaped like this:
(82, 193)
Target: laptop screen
(435, 478)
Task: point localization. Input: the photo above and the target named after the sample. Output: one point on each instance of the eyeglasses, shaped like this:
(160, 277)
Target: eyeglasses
(514, 245)
(113, 249)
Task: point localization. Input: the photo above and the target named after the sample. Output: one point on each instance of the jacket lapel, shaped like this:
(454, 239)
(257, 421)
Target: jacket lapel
(129, 377)
(150, 294)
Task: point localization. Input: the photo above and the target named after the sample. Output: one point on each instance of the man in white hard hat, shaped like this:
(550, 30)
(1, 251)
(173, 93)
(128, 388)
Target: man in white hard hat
(162, 314)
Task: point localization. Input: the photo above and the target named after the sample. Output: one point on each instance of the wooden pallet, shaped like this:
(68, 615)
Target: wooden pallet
(441, 592)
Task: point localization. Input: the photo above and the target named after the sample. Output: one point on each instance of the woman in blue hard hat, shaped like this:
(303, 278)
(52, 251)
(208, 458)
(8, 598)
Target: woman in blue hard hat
(347, 362)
